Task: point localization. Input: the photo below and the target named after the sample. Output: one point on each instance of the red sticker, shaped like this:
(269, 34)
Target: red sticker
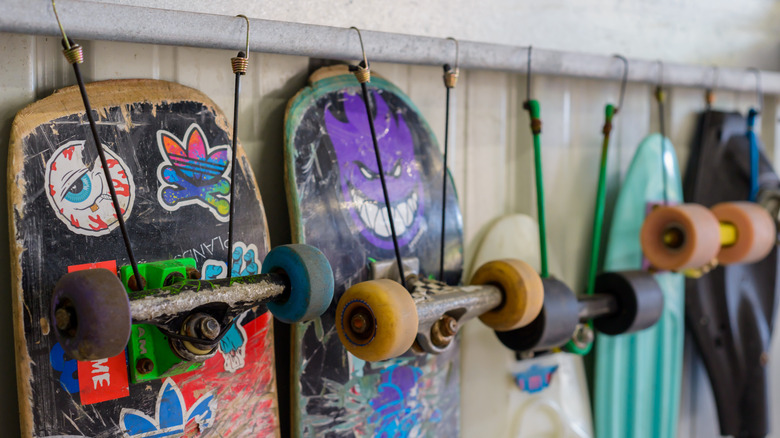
(108, 264)
(104, 379)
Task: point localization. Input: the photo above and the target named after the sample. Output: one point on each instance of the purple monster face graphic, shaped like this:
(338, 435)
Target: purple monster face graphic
(360, 181)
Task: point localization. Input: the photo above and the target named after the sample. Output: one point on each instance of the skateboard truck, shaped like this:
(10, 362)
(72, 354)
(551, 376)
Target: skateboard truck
(380, 319)
(623, 302)
(693, 239)
(178, 324)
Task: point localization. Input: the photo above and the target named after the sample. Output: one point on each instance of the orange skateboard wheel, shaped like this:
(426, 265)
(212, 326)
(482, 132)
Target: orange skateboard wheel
(755, 232)
(522, 290)
(680, 237)
(377, 320)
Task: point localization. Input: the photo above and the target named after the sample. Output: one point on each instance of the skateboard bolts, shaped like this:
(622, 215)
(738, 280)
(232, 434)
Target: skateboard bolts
(361, 323)
(192, 273)
(209, 327)
(133, 284)
(63, 318)
(443, 331)
(583, 335)
(144, 365)
(171, 278)
(201, 325)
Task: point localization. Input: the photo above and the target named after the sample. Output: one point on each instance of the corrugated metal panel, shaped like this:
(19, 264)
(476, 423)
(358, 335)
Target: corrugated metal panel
(491, 164)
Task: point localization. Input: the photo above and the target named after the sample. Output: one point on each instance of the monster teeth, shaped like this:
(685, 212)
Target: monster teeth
(381, 223)
(399, 219)
(368, 214)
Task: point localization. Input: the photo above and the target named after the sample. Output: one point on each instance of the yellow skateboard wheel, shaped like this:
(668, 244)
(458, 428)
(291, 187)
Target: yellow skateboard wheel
(522, 289)
(377, 320)
(680, 237)
(755, 232)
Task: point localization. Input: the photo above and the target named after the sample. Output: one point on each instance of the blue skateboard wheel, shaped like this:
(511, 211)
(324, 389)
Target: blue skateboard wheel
(311, 282)
(90, 314)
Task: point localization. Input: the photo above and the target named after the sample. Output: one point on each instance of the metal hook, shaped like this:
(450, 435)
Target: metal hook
(659, 87)
(759, 91)
(457, 53)
(451, 74)
(528, 77)
(623, 81)
(247, 33)
(62, 29)
(715, 77)
(709, 93)
(362, 48)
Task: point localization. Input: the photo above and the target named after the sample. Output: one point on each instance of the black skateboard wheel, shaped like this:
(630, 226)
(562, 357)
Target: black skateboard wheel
(640, 301)
(90, 314)
(311, 282)
(554, 325)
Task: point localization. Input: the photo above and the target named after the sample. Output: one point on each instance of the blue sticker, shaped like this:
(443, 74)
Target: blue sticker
(535, 378)
(67, 367)
(172, 417)
(396, 407)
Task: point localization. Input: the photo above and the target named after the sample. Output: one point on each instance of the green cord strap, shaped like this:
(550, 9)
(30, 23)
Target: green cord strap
(534, 110)
(598, 222)
(601, 194)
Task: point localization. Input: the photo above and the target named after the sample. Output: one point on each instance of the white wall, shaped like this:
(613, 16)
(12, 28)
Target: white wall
(492, 163)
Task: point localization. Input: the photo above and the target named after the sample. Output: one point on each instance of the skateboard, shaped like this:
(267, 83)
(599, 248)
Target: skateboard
(183, 350)
(547, 395)
(384, 359)
(734, 354)
(637, 376)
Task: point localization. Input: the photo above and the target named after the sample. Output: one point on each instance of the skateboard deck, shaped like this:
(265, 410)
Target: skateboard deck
(731, 310)
(168, 151)
(546, 395)
(336, 204)
(637, 376)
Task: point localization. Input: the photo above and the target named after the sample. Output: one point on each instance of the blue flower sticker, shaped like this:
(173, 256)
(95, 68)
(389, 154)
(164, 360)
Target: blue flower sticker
(172, 416)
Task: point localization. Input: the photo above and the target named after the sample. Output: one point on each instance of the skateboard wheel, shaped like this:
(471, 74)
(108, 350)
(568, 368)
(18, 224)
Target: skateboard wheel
(311, 282)
(680, 237)
(522, 290)
(639, 298)
(554, 325)
(377, 320)
(90, 312)
(756, 234)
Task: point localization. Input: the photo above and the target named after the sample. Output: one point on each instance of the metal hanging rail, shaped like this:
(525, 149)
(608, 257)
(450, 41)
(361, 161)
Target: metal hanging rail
(112, 22)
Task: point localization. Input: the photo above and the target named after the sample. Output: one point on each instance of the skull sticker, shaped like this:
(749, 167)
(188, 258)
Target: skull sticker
(80, 196)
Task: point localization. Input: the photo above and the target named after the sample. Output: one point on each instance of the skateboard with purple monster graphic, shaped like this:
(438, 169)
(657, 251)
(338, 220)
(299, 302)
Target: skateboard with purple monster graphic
(336, 203)
(192, 352)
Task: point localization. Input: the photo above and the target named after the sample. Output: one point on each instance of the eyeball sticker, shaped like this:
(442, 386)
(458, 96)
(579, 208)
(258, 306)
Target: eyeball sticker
(80, 196)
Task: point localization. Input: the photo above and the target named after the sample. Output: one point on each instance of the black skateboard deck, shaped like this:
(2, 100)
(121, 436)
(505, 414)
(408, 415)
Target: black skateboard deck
(336, 204)
(168, 150)
(731, 310)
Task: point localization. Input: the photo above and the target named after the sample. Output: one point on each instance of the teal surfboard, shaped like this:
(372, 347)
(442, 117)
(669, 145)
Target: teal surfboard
(637, 376)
